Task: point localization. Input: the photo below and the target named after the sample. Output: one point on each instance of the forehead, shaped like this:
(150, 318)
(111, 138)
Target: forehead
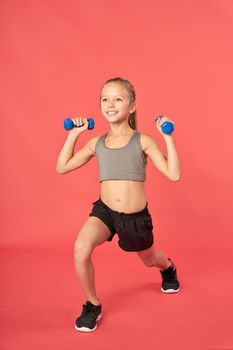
(113, 89)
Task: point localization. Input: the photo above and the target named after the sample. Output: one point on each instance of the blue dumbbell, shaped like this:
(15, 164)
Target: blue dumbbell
(167, 127)
(68, 124)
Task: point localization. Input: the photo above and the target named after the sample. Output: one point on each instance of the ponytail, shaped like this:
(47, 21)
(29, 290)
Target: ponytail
(133, 120)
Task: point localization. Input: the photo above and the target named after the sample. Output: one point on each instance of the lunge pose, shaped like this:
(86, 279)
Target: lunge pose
(122, 206)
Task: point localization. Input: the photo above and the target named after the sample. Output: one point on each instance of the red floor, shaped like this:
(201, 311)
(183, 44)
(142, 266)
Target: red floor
(42, 297)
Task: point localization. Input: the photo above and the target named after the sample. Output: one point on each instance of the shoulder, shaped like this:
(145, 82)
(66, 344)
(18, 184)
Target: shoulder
(93, 141)
(147, 141)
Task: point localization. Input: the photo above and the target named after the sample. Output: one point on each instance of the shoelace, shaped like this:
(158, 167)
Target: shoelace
(170, 275)
(88, 308)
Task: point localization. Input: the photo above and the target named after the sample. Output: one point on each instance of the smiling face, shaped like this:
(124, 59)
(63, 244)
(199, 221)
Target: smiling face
(115, 102)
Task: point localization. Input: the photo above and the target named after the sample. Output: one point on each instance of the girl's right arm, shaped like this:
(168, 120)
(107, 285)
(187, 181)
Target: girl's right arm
(67, 160)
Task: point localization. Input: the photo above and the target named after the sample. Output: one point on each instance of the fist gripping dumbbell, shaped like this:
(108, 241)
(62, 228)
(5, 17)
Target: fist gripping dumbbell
(68, 124)
(167, 127)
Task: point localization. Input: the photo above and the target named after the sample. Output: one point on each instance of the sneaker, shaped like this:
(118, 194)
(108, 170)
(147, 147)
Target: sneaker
(86, 322)
(170, 283)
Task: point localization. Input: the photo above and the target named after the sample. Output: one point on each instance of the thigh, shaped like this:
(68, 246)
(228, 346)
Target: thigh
(136, 234)
(93, 233)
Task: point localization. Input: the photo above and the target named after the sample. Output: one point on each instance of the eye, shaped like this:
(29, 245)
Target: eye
(119, 99)
(103, 99)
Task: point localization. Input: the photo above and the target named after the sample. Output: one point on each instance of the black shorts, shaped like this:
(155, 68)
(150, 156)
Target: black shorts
(135, 230)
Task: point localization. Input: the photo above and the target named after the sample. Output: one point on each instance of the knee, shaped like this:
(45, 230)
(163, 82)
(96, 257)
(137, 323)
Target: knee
(82, 251)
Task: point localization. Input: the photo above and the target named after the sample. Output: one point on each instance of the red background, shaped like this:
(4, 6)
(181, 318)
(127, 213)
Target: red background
(55, 56)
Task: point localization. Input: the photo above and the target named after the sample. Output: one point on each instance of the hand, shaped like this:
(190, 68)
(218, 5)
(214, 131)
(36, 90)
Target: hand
(79, 121)
(160, 121)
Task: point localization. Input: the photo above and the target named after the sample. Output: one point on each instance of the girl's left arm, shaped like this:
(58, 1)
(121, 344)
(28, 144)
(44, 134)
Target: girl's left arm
(168, 165)
(173, 162)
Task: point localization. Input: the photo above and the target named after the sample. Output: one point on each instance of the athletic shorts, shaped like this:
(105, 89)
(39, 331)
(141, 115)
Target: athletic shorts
(135, 230)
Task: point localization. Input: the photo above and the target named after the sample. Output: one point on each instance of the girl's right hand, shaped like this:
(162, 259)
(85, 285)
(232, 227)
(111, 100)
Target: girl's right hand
(79, 121)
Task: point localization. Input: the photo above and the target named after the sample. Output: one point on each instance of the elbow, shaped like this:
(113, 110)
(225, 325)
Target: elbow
(60, 170)
(175, 178)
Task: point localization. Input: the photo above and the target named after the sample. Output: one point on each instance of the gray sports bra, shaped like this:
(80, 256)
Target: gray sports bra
(124, 163)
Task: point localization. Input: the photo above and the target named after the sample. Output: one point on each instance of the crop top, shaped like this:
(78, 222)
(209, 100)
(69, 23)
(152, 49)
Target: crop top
(124, 163)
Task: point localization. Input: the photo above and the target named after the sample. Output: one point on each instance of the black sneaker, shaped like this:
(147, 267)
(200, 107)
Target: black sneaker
(91, 313)
(170, 283)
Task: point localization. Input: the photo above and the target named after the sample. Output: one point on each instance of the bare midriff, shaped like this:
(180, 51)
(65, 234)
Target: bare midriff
(123, 195)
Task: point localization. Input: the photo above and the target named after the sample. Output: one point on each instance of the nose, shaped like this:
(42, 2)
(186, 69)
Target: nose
(110, 103)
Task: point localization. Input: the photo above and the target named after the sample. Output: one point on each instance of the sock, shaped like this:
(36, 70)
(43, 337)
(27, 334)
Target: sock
(171, 265)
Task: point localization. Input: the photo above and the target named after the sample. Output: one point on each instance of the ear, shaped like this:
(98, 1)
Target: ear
(133, 108)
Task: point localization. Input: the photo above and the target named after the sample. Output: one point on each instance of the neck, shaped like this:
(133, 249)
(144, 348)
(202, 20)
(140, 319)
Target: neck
(119, 129)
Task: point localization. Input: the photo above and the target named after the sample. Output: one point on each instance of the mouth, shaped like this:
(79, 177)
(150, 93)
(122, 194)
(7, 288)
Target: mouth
(112, 112)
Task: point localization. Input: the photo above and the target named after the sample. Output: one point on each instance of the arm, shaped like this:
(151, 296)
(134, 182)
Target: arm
(170, 165)
(173, 162)
(68, 161)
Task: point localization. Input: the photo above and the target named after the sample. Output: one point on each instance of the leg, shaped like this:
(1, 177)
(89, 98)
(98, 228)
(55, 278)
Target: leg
(93, 233)
(170, 283)
(152, 257)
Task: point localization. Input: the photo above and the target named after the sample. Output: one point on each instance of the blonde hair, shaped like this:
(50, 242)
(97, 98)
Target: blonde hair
(132, 95)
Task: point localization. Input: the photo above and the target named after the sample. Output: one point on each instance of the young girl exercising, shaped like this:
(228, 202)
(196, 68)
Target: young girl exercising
(122, 206)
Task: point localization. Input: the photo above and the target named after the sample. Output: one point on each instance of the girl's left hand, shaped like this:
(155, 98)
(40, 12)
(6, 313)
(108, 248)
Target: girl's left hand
(160, 121)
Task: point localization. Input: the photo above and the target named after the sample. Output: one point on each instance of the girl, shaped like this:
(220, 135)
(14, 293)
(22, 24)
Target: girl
(122, 207)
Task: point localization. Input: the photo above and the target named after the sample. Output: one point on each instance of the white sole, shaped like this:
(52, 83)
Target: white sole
(86, 329)
(168, 291)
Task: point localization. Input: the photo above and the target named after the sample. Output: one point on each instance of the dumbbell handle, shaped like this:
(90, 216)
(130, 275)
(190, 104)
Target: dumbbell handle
(167, 127)
(68, 124)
